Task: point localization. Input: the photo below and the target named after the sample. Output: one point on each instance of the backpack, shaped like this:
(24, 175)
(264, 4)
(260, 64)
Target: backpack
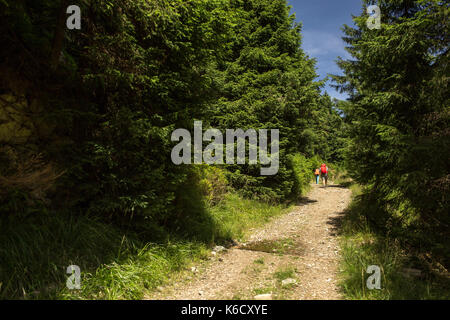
(323, 169)
(317, 172)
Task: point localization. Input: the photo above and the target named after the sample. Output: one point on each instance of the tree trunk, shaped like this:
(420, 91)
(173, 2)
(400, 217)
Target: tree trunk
(58, 39)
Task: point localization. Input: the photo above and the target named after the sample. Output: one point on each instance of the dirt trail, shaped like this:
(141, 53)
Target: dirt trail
(301, 245)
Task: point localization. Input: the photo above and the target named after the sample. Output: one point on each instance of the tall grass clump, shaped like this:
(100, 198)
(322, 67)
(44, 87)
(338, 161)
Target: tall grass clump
(114, 263)
(404, 274)
(236, 215)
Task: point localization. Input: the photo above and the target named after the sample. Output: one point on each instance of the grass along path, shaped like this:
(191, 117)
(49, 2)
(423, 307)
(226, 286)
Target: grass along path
(294, 256)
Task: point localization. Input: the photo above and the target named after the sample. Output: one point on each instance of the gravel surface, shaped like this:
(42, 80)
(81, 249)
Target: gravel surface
(303, 240)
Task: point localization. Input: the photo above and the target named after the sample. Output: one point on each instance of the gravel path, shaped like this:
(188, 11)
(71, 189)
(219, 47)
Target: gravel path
(300, 246)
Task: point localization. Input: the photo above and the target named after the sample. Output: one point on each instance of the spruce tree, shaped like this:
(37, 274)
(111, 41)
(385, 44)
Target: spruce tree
(399, 114)
(268, 83)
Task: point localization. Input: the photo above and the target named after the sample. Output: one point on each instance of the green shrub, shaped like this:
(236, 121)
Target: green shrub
(303, 170)
(213, 183)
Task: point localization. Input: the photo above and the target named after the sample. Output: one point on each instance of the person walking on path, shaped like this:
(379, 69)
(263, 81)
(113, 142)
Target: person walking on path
(317, 174)
(324, 174)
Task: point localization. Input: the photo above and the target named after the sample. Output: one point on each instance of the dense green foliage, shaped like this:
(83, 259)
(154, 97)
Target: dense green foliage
(267, 83)
(86, 118)
(103, 111)
(132, 76)
(399, 120)
(326, 134)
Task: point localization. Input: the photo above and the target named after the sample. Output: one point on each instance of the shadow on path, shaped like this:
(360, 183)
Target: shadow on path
(304, 201)
(342, 186)
(336, 223)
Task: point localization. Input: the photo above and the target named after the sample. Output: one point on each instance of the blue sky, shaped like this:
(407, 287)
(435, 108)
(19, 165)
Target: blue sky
(322, 21)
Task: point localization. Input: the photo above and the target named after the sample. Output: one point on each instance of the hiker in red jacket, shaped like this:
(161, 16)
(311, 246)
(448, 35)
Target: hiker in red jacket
(324, 173)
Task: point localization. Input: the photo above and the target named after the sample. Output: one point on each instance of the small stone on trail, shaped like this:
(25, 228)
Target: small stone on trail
(219, 248)
(267, 296)
(288, 281)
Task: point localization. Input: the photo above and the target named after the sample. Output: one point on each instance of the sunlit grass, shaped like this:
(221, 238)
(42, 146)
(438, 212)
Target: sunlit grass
(361, 248)
(114, 264)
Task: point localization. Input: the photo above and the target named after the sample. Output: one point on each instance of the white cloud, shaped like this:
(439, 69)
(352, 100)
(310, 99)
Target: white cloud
(319, 44)
(326, 47)
(335, 94)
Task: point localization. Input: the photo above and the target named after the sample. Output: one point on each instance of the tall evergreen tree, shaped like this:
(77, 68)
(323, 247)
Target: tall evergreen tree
(268, 82)
(326, 134)
(134, 72)
(400, 146)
